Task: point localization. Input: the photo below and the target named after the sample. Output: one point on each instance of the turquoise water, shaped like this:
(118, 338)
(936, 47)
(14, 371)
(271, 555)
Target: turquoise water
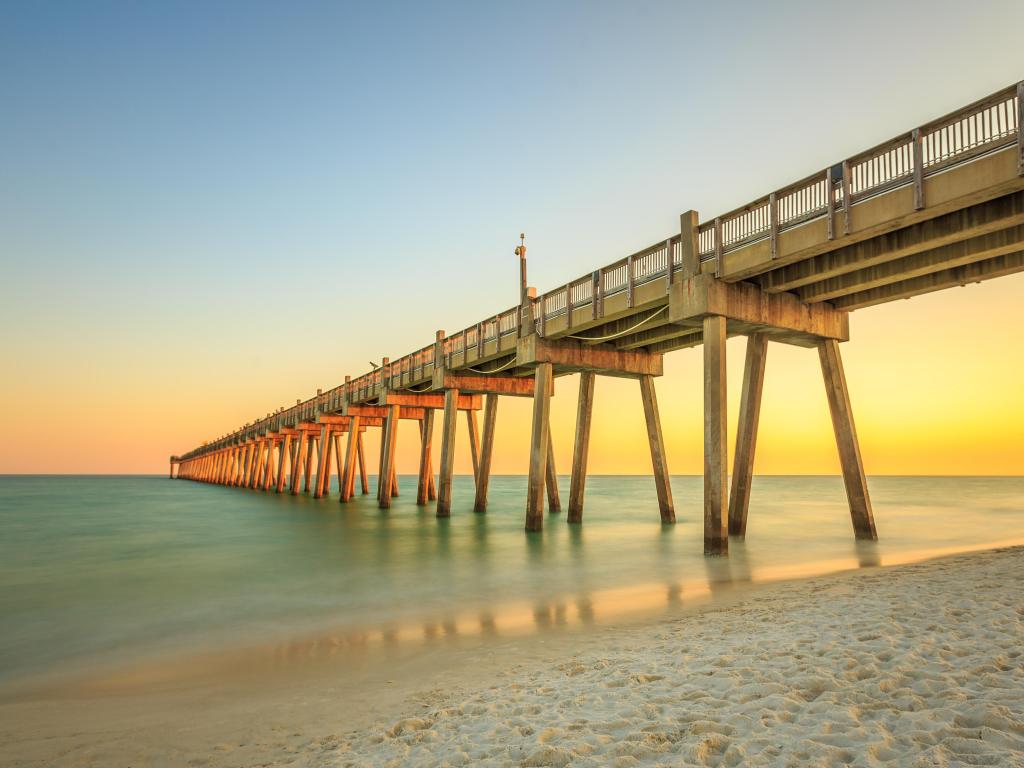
(97, 570)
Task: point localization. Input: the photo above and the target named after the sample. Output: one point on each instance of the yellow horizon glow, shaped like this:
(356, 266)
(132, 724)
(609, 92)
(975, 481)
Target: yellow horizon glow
(935, 386)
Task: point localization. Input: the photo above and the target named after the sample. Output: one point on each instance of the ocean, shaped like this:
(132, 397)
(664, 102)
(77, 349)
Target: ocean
(100, 572)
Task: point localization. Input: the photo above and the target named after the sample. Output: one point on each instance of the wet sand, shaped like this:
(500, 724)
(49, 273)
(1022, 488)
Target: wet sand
(908, 665)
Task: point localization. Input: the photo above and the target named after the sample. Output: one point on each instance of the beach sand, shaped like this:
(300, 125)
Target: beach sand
(916, 665)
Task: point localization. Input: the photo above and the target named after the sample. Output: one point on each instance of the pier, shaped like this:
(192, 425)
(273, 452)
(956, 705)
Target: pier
(936, 207)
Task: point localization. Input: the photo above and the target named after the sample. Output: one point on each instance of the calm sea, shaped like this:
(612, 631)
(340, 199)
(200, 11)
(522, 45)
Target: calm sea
(96, 571)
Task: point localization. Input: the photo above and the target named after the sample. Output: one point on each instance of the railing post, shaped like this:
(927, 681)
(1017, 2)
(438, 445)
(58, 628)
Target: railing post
(773, 225)
(629, 281)
(568, 306)
(689, 245)
(595, 293)
(668, 264)
(1020, 128)
(830, 203)
(439, 361)
(847, 197)
(479, 340)
(915, 138)
(543, 315)
(718, 247)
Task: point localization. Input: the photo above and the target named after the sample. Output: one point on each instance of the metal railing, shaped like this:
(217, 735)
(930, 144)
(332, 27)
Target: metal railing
(985, 126)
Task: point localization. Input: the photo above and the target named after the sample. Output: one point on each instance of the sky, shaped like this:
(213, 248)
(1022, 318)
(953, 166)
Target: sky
(209, 210)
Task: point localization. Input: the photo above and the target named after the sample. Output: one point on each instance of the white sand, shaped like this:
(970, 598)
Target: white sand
(920, 665)
(915, 665)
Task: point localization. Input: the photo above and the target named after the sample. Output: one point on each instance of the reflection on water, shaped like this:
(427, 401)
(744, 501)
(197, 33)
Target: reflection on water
(97, 569)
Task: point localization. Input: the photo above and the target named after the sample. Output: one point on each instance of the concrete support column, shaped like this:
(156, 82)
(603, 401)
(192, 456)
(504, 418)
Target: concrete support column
(347, 485)
(444, 481)
(539, 440)
(286, 443)
(271, 473)
(474, 444)
(311, 440)
(364, 481)
(483, 479)
(746, 434)
(581, 447)
(716, 458)
(656, 441)
(846, 440)
(389, 438)
(426, 466)
(299, 461)
(323, 464)
(551, 478)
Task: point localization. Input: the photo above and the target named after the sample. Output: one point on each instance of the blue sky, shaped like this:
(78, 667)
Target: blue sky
(189, 187)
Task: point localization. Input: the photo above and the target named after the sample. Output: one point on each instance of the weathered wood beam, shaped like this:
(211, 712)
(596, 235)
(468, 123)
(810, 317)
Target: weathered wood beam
(746, 434)
(656, 441)
(936, 281)
(581, 447)
(716, 459)
(539, 447)
(486, 450)
(846, 440)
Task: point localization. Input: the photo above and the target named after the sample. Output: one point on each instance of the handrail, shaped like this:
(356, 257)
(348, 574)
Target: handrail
(982, 126)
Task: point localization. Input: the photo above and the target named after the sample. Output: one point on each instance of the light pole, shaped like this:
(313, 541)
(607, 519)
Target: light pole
(526, 325)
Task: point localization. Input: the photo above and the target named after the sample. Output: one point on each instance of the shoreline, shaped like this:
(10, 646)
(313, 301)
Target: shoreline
(335, 711)
(316, 651)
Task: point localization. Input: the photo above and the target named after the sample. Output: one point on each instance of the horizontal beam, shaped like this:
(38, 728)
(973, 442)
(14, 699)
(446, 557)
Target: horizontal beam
(692, 299)
(936, 281)
(982, 219)
(380, 412)
(515, 386)
(573, 356)
(428, 400)
(947, 257)
(653, 335)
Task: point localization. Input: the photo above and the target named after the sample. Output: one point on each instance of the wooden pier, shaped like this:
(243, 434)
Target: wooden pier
(936, 207)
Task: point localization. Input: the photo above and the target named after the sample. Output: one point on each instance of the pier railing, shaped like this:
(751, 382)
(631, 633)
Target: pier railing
(985, 126)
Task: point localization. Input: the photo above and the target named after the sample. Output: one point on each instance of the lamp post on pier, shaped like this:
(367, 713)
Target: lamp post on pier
(526, 325)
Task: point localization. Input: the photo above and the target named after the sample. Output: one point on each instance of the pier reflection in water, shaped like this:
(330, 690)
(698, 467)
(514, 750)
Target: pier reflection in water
(103, 570)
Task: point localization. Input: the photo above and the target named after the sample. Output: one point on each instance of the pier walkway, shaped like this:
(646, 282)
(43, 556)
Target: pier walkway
(936, 207)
